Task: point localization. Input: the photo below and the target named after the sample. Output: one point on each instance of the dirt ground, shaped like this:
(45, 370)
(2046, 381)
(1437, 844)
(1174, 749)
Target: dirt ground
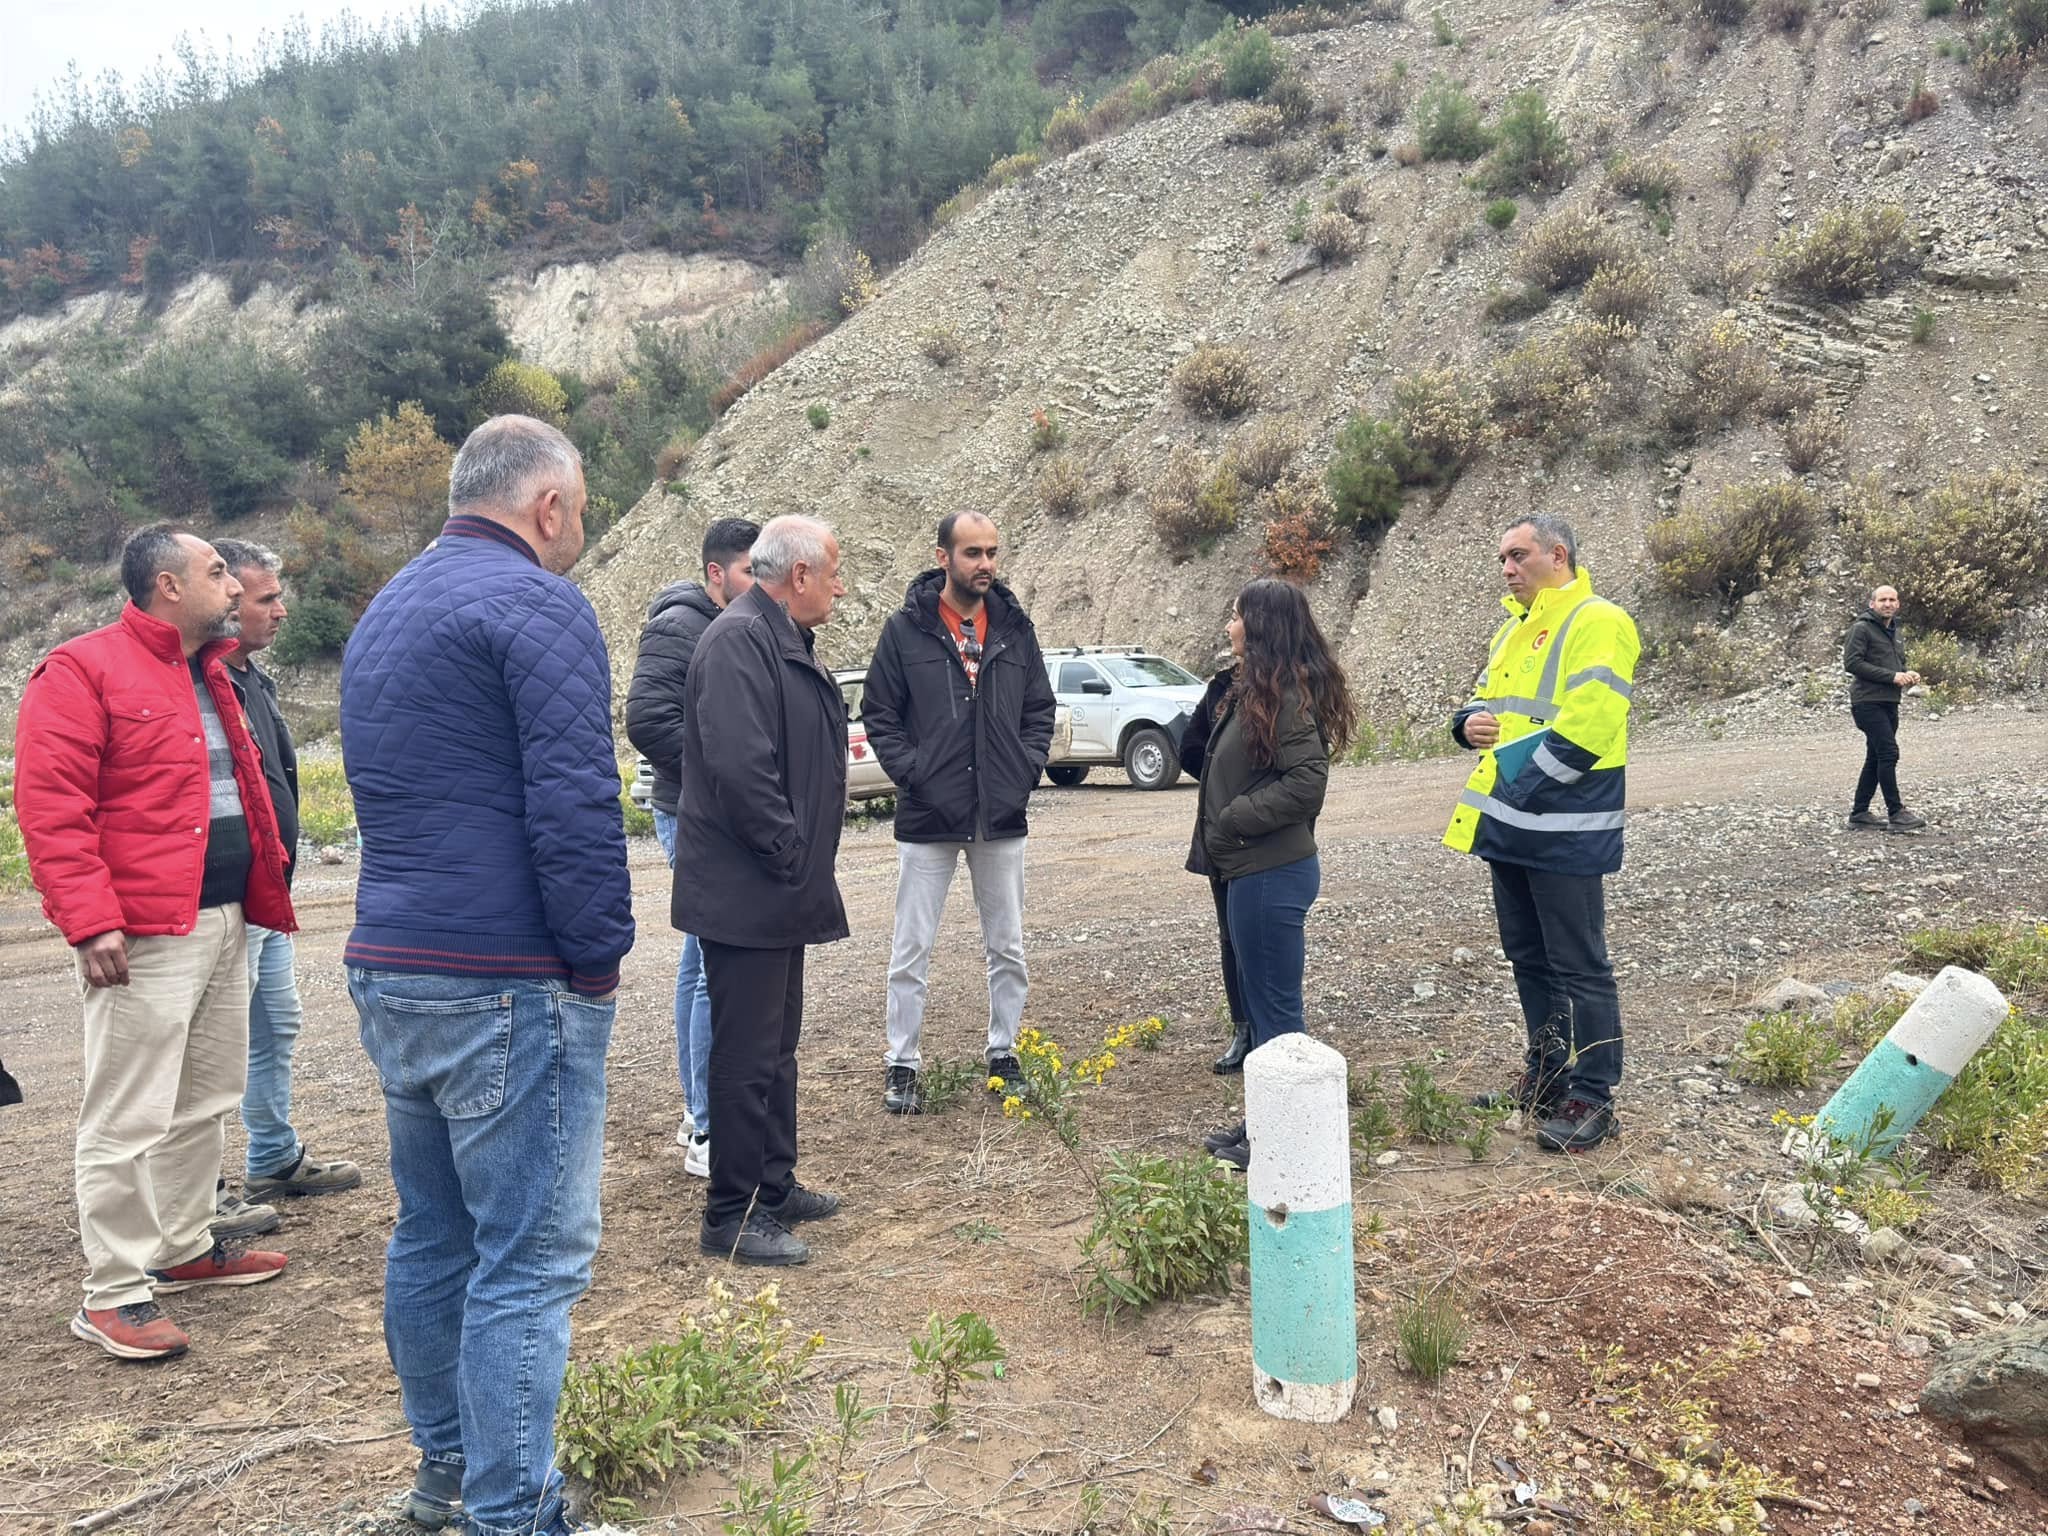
(1739, 873)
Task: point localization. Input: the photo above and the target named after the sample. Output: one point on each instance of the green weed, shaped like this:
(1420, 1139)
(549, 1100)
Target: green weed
(1785, 1050)
(1431, 1332)
(953, 1352)
(1430, 1113)
(1165, 1228)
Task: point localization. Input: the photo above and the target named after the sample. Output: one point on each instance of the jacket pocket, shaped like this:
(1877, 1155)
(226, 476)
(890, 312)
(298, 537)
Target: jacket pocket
(452, 1050)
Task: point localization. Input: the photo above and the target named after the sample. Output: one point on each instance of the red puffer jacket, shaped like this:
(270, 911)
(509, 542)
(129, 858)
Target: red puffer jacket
(110, 785)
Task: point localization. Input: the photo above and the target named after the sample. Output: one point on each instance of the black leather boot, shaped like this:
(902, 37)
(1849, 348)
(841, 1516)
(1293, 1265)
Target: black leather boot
(1232, 1059)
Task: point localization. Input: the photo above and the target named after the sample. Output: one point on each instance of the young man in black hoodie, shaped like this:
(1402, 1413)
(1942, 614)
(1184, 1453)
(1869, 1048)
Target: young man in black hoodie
(960, 713)
(676, 621)
(1874, 656)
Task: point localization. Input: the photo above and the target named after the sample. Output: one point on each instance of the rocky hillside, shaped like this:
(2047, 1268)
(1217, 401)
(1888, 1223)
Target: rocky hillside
(1079, 290)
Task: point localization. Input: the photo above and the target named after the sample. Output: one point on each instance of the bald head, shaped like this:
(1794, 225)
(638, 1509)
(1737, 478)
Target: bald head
(1884, 601)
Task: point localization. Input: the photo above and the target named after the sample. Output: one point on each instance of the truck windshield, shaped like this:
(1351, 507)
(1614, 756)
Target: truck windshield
(1148, 672)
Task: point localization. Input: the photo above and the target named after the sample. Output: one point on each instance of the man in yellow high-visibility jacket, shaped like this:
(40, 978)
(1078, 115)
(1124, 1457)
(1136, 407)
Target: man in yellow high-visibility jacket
(1544, 809)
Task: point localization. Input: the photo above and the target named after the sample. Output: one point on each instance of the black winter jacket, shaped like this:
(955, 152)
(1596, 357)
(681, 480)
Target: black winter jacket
(965, 760)
(258, 692)
(1250, 818)
(676, 621)
(763, 789)
(1194, 747)
(1873, 655)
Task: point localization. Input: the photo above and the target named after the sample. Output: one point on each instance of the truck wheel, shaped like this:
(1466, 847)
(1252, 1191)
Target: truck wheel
(1067, 775)
(1149, 759)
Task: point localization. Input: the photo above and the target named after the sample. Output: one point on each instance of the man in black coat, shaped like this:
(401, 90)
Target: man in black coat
(763, 797)
(960, 713)
(1874, 656)
(676, 621)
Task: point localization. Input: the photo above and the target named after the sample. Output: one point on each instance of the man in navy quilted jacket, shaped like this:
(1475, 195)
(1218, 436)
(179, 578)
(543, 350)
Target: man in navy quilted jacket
(491, 915)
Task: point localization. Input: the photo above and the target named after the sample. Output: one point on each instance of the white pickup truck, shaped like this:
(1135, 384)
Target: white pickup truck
(1127, 708)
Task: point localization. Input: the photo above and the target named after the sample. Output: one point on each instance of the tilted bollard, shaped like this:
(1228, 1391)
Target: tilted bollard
(1304, 1308)
(1915, 1062)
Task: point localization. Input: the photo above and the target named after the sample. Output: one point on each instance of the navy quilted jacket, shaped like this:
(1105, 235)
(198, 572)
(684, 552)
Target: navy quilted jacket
(476, 731)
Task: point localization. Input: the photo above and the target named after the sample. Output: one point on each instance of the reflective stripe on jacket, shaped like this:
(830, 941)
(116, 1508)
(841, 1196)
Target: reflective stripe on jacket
(1565, 667)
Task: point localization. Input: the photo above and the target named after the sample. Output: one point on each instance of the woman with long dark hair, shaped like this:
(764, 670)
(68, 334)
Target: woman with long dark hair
(1263, 777)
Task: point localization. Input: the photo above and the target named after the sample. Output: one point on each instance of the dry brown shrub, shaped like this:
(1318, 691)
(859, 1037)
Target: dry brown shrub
(1721, 375)
(1063, 488)
(1333, 238)
(1215, 380)
(1736, 543)
(1811, 439)
(1191, 505)
(1566, 249)
(1350, 197)
(1266, 451)
(1549, 390)
(1850, 253)
(1626, 292)
(763, 363)
(1974, 548)
(1066, 130)
(1386, 96)
(1288, 163)
(1260, 126)
(1409, 155)
(1299, 527)
(1446, 417)
(942, 344)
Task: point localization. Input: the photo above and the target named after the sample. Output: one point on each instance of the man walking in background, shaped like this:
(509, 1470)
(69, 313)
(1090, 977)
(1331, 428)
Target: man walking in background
(676, 621)
(762, 801)
(1544, 808)
(492, 912)
(150, 834)
(277, 1162)
(1874, 656)
(960, 713)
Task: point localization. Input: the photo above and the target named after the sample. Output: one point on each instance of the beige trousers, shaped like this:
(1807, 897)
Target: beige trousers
(165, 1060)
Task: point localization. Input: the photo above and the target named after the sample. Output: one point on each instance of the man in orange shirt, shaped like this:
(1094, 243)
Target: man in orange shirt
(959, 710)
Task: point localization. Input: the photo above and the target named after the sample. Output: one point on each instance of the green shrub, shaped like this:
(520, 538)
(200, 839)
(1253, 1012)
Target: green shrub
(942, 345)
(1386, 95)
(1551, 389)
(1500, 213)
(1850, 254)
(14, 876)
(1923, 327)
(1448, 125)
(525, 389)
(1504, 306)
(1530, 150)
(1192, 506)
(1066, 130)
(1566, 249)
(633, 1420)
(1743, 157)
(1997, 70)
(1430, 1113)
(1250, 63)
(1964, 557)
(1217, 381)
(1165, 1228)
(1349, 198)
(2028, 20)
(327, 812)
(1652, 180)
(1721, 375)
(2013, 955)
(1936, 9)
(1785, 1050)
(818, 414)
(1736, 543)
(1944, 661)
(1366, 471)
(318, 626)
(1432, 1331)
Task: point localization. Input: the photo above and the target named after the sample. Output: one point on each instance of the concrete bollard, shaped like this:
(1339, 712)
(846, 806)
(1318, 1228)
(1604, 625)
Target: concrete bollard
(1304, 1308)
(1913, 1065)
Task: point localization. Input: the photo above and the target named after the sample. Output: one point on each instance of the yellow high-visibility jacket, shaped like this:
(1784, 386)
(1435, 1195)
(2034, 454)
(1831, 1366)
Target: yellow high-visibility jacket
(1550, 793)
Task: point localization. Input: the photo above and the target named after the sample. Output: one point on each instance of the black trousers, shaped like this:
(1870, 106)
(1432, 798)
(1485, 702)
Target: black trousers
(1554, 929)
(757, 1013)
(1879, 724)
(1233, 989)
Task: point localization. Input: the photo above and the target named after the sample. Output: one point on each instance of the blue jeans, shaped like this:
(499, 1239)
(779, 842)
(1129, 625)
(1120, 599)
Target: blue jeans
(1268, 916)
(274, 1018)
(494, 1093)
(693, 1004)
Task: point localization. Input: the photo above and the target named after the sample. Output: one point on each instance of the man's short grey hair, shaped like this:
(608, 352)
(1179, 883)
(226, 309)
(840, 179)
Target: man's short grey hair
(788, 542)
(1553, 531)
(508, 461)
(242, 556)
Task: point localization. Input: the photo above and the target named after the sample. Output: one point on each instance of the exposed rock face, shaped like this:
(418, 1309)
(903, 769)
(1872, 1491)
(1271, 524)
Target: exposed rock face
(1995, 1389)
(1079, 290)
(580, 317)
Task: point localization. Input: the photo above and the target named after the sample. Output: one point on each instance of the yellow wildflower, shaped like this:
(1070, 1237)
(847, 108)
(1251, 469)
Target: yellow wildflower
(1026, 1115)
(994, 1083)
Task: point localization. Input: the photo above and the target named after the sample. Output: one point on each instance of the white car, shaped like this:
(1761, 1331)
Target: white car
(1128, 708)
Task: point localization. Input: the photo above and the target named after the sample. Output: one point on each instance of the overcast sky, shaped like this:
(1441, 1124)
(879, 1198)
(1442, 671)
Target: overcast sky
(128, 36)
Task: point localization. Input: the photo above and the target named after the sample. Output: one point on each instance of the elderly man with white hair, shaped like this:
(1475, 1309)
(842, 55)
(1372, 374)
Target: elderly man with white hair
(492, 911)
(757, 830)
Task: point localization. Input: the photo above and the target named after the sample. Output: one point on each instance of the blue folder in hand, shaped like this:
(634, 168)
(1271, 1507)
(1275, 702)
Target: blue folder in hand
(1510, 760)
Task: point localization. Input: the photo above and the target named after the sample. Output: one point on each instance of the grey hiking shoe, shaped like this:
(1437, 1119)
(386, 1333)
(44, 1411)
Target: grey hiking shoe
(235, 1218)
(1579, 1125)
(802, 1204)
(1868, 821)
(900, 1095)
(306, 1177)
(1903, 820)
(760, 1239)
(435, 1499)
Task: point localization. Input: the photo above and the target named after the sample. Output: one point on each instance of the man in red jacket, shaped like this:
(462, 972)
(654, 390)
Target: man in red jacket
(151, 835)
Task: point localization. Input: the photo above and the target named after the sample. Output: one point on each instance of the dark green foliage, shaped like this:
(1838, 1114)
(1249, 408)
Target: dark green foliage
(1530, 150)
(1501, 212)
(1447, 123)
(1371, 462)
(1250, 64)
(397, 340)
(319, 626)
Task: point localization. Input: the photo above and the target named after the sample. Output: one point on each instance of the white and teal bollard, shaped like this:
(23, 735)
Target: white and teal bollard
(1915, 1062)
(1304, 1309)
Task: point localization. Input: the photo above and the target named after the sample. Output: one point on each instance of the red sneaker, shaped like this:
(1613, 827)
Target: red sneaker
(139, 1331)
(228, 1264)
